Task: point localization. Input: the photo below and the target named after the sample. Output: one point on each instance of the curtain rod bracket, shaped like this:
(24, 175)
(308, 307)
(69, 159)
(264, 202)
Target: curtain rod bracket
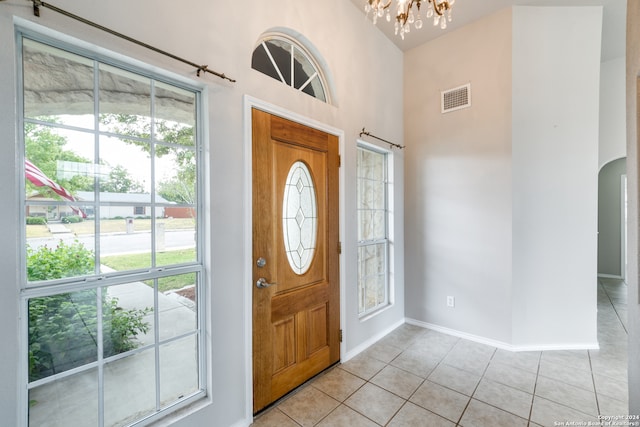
(391, 144)
(202, 68)
(36, 8)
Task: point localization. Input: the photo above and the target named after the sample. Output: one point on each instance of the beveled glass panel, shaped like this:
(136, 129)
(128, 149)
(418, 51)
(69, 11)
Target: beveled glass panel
(177, 313)
(129, 389)
(178, 370)
(58, 85)
(300, 221)
(175, 110)
(125, 102)
(62, 333)
(63, 402)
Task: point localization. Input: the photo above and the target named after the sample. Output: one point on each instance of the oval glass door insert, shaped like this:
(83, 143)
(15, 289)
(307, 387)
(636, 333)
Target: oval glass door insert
(299, 218)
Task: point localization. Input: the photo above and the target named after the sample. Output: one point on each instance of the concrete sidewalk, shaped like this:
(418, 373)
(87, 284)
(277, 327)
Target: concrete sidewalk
(57, 228)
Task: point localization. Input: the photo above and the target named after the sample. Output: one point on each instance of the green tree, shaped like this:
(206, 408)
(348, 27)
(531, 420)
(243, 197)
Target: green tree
(180, 139)
(44, 149)
(119, 181)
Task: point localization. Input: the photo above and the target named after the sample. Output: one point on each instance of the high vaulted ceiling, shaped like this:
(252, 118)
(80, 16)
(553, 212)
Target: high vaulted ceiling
(466, 11)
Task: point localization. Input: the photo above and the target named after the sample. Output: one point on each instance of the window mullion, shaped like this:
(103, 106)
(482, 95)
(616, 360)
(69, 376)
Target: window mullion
(99, 299)
(156, 338)
(96, 162)
(273, 61)
(313, 76)
(293, 60)
(152, 155)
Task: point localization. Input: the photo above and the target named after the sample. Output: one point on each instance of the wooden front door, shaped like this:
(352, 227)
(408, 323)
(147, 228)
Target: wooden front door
(296, 293)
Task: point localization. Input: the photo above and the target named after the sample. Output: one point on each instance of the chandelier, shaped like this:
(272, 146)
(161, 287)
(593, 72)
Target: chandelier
(439, 10)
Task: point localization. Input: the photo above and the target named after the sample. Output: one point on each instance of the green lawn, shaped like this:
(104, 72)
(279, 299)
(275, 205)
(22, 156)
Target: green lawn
(142, 260)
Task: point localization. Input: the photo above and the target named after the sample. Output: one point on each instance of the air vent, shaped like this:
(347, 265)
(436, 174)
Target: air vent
(456, 98)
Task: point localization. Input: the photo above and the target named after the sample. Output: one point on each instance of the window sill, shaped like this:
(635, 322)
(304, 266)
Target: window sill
(373, 314)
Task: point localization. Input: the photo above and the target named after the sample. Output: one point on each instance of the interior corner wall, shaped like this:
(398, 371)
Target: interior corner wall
(556, 79)
(458, 181)
(610, 218)
(633, 159)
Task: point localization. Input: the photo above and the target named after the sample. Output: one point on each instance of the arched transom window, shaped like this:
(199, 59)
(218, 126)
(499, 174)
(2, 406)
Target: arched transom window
(284, 59)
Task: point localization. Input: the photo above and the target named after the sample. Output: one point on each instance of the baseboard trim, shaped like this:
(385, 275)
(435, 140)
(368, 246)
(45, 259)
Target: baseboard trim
(500, 344)
(368, 343)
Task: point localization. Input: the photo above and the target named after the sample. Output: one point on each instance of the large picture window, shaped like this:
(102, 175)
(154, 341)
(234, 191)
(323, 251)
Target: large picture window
(113, 271)
(373, 230)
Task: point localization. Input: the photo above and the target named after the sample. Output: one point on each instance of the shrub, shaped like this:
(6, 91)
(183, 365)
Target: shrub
(72, 219)
(36, 220)
(66, 260)
(63, 327)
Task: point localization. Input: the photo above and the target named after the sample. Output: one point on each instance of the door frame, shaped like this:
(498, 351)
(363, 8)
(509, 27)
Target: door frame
(249, 103)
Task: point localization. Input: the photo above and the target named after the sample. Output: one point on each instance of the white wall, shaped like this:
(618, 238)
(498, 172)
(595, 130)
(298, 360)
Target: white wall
(223, 35)
(502, 197)
(613, 138)
(458, 181)
(556, 80)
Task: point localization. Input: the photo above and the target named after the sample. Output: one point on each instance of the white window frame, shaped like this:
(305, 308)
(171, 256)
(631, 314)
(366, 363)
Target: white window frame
(387, 241)
(102, 281)
(294, 46)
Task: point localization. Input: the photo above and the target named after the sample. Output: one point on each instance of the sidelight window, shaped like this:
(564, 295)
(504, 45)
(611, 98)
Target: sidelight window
(373, 230)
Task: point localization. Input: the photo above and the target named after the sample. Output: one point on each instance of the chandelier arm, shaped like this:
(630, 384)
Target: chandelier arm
(404, 16)
(437, 7)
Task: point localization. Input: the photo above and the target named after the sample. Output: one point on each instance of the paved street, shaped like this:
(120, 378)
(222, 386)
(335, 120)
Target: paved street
(119, 243)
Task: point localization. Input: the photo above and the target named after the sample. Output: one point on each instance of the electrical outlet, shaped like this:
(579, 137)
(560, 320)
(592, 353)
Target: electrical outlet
(451, 301)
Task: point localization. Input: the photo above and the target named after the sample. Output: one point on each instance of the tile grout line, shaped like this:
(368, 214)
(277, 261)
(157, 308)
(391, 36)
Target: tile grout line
(593, 379)
(476, 387)
(614, 308)
(535, 385)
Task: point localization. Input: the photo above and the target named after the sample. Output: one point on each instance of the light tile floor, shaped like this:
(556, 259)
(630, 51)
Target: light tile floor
(419, 377)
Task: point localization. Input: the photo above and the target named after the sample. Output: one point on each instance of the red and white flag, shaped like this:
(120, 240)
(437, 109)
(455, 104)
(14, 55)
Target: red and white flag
(39, 179)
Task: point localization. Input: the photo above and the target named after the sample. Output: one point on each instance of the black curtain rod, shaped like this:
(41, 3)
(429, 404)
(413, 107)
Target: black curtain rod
(364, 132)
(200, 68)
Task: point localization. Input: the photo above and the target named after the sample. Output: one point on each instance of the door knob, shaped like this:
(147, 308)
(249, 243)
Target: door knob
(262, 283)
